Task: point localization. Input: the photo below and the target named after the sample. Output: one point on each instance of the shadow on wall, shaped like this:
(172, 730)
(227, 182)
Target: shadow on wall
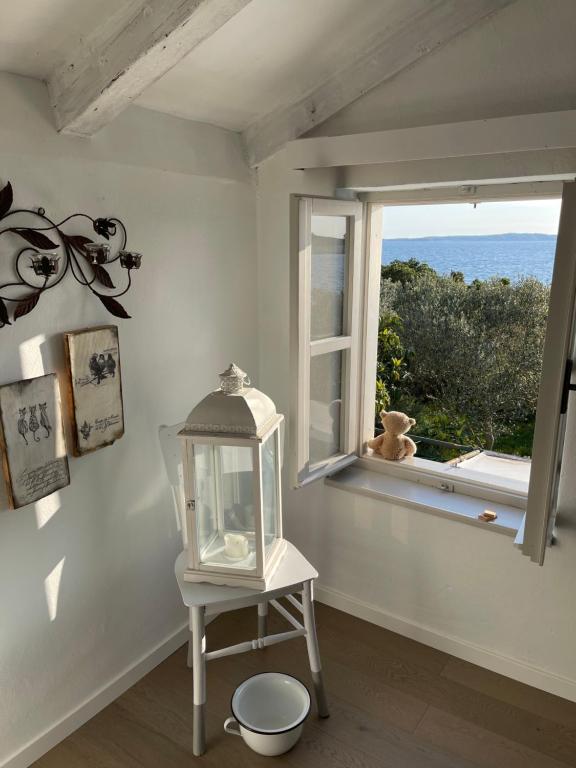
(64, 557)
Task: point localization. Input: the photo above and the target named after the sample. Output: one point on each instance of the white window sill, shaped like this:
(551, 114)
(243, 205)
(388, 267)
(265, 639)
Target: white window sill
(454, 506)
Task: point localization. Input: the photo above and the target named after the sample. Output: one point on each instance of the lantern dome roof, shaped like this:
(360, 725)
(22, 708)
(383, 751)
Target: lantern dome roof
(239, 410)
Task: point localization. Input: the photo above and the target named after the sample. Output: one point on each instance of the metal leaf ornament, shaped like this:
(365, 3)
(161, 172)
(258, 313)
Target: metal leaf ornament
(6, 199)
(105, 227)
(68, 255)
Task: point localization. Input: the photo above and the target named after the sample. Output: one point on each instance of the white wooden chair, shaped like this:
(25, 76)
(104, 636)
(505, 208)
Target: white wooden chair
(293, 579)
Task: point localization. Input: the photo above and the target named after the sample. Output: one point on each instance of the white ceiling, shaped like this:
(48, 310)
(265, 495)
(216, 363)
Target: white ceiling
(35, 35)
(269, 54)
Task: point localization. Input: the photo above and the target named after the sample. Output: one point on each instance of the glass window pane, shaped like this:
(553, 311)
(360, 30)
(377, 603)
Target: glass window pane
(270, 490)
(226, 536)
(325, 405)
(329, 268)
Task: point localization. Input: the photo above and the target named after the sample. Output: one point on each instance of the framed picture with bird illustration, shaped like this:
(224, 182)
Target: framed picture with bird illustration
(94, 387)
(34, 457)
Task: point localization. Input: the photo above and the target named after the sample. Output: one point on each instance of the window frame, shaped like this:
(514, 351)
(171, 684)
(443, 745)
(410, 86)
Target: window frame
(361, 398)
(304, 349)
(450, 478)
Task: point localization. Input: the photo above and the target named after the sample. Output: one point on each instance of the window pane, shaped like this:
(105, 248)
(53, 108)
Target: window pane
(463, 316)
(269, 490)
(325, 405)
(329, 267)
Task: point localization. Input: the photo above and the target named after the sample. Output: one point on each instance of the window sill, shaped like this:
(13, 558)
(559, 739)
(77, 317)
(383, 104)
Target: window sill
(453, 506)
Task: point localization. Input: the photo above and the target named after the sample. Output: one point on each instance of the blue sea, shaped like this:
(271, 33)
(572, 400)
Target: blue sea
(479, 256)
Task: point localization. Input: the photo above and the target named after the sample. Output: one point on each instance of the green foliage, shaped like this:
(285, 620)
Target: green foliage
(391, 368)
(405, 271)
(463, 359)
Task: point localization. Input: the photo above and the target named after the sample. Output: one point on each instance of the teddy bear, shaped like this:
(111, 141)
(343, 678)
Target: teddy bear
(393, 444)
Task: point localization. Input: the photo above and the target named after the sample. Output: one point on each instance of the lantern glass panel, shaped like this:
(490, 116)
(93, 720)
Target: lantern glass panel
(270, 489)
(206, 513)
(226, 538)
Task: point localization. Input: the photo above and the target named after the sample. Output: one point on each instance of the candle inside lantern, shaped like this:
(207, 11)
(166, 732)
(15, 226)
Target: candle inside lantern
(236, 546)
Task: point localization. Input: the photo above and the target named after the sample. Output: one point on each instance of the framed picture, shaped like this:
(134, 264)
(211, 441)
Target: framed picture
(34, 456)
(94, 387)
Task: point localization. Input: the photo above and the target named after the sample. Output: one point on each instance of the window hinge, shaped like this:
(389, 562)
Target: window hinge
(448, 487)
(191, 505)
(568, 386)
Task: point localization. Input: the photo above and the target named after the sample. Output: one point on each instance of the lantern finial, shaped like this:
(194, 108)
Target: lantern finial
(233, 380)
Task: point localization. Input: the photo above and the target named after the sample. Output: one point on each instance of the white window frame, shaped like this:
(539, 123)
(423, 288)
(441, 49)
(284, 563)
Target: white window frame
(540, 499)
(451, 478)
(303, 208)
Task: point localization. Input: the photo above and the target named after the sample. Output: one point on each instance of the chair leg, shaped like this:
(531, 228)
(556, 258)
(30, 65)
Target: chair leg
(262, 619)
(313, 651)
(199, 680)
(189, 659)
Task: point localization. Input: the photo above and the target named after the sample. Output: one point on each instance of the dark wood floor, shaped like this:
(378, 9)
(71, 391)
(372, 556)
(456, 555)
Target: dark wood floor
(394, 704)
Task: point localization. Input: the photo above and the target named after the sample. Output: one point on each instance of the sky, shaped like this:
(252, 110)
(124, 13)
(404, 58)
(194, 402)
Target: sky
(463, 219)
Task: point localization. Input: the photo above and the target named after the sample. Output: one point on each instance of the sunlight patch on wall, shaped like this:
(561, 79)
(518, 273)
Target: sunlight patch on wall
(52, 588)
(31, 362)
(46, 508)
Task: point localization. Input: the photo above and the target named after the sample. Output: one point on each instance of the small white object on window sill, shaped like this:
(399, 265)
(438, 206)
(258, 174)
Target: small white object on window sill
(425, 498)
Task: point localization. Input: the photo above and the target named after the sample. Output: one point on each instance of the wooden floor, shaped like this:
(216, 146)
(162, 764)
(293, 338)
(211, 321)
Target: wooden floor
(394, 704)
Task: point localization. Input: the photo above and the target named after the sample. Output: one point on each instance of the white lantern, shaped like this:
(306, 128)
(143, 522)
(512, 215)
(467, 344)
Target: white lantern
(231, 452)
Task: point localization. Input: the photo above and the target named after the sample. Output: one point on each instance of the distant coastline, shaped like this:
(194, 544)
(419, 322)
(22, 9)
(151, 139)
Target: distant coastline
(509, 236)
(512, 255)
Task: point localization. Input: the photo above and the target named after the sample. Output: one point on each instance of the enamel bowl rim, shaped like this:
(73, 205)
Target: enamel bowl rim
(296, 724)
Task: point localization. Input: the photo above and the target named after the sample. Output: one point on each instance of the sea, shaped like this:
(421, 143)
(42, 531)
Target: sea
(479, 256)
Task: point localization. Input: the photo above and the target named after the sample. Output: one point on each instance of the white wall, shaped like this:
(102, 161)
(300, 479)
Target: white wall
(465, 590)
(113, 532)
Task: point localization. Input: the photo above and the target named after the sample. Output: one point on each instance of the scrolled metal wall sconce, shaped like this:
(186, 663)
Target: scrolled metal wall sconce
(52, 261)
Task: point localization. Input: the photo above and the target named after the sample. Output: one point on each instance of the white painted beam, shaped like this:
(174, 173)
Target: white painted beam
(118, 62)
(540, 165)
(520, 133)
(425, 26)
(469, 193)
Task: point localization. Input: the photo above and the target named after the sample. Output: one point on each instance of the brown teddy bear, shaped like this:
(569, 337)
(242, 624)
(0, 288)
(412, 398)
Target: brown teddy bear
(393, 443)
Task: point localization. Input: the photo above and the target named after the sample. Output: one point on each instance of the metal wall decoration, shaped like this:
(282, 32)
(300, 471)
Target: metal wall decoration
(49, 259)
(32, 440)
(94, 387)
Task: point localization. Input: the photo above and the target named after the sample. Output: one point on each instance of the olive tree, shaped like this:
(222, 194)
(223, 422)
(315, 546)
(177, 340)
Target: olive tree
(474, 351)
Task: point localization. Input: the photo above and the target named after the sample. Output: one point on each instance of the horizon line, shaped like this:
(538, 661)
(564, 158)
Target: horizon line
(486, 234)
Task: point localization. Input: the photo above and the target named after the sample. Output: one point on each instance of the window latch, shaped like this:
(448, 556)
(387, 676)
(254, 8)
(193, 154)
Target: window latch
(568, 387)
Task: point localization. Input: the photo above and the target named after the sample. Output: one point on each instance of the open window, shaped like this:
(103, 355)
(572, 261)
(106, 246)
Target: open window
(335, 320)
(555, 386)
(326, 278)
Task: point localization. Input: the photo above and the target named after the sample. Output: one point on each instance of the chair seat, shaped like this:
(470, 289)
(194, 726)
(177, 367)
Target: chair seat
(293, 569)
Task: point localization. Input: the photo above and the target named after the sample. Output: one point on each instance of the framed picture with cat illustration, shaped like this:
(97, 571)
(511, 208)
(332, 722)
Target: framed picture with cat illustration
(32, 440)
(94, 388)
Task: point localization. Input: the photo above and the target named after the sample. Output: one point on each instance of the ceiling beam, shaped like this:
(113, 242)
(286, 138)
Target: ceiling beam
(493, 136)
(116, 63)
(424, 28)
(448, 171)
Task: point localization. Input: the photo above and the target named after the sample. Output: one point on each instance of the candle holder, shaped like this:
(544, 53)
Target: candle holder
(231, 452)
(130, 260)
(45, 264)
(97, 253)
(71, 254)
